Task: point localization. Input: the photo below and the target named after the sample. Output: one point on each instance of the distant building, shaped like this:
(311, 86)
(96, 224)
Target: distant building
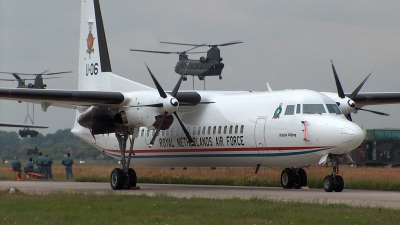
(381, 147)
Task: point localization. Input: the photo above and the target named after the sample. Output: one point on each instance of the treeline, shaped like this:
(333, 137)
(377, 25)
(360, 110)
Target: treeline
(56, 145)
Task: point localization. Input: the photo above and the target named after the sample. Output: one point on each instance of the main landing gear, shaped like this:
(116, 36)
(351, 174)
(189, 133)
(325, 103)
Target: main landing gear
(334, 182)
(293, 178)
(124, 177)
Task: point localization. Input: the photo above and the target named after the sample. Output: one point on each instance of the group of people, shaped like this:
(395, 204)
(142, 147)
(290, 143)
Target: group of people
(43, 166)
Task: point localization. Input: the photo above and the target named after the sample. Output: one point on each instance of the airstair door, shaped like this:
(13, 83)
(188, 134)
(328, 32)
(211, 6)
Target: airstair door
(259, 133)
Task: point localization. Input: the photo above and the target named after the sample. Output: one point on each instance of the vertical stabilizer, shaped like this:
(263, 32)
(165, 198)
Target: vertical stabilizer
(94, 61)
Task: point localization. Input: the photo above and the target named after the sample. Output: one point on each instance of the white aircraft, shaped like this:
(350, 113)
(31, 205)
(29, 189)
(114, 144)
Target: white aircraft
(289, 129)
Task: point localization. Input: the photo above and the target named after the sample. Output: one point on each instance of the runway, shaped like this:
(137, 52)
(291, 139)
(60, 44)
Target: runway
(387, 199)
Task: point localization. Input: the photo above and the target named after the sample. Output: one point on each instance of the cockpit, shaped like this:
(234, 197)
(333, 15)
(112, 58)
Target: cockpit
(312, 109)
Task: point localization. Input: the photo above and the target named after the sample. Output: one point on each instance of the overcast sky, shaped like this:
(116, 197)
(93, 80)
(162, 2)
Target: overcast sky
(286, 43)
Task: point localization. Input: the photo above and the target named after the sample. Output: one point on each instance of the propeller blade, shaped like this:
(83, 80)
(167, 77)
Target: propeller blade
(355, 92)
(375, 112)
(175, 91)
(338, 85)
(157, 131)
(159, 88)
(349, 117)
(185, 130)
(151, 105)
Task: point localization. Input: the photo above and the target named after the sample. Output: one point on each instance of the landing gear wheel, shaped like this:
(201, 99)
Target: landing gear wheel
(130, 179)
(117, 179)
(220, 77)
(184, 78)
(300, 178)
(339, 184)
(328, 183)
(287, 178)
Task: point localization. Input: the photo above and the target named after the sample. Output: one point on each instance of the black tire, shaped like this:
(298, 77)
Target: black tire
(130, 179)
(301, 178)
(117, 179)
(328, 183)
(287, 178)
(339, 184)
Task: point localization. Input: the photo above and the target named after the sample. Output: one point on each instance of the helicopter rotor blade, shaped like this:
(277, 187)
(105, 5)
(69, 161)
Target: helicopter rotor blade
(35, 74)
(149, 51)
(226, 44)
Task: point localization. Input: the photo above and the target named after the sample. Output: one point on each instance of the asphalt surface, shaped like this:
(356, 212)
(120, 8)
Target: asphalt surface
(387, 199)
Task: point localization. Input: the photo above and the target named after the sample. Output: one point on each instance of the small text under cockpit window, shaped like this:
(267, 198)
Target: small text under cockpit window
(313, 108)
(333, 108)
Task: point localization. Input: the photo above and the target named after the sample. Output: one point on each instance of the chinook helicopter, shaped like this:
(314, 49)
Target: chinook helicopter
(210, 65)
(38, 80)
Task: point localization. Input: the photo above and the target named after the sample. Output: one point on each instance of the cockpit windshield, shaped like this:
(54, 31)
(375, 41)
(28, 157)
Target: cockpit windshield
(333, 108)
(313, 108)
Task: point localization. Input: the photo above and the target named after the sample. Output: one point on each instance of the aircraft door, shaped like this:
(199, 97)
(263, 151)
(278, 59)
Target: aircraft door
(259, 132)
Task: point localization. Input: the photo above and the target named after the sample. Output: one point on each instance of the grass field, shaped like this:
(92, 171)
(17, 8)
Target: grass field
(77, 208)
(354, 177)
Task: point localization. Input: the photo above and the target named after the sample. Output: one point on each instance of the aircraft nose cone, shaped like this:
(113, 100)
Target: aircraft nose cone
(352, 135)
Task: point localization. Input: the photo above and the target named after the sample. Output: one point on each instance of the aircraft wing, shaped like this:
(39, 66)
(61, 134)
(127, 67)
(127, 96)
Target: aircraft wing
(376, 98)
(20, 125)
(62, 98)
(74, 98)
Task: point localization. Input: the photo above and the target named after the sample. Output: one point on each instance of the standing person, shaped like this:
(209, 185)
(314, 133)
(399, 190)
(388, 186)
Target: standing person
(67, 162)
(47, 161)
(16, 166)
(39, 163)
(28, 166)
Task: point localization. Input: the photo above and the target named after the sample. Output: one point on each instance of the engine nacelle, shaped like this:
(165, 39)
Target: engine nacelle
(100, 120)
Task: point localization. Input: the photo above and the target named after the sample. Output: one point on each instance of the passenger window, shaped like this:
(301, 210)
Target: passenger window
(219, 130)
(172, 131)
(147, 133)
(214, 129)
(236, 129)
(289, 110)
(241, 129)
(230, 129)
(209, 130)
(167, 132)
(178, 131)
(333, 108)
(162, 132)
(194, 130)
(142, 133)
(204, 131)
(298, 109)
(198, 130)
(313, 108)
(225, 127)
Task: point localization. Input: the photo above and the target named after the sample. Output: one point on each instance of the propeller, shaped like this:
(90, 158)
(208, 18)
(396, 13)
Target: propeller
(174, 102)
(348, 101)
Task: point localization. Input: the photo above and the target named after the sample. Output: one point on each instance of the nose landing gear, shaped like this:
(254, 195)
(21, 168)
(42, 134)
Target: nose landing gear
(334, 182)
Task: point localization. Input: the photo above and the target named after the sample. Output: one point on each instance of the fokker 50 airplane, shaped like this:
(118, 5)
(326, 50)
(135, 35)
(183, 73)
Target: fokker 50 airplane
(288, 129)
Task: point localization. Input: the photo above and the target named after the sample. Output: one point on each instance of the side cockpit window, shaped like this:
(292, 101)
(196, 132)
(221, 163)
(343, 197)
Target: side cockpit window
(333, 108)
(313, 108)
(289, 110)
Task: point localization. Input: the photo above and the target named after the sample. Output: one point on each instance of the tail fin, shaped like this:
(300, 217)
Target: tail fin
(94, 61)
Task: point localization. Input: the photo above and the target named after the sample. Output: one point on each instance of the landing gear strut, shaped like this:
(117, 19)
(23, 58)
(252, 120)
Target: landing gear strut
(293, 178)
(334, 182)
(124, 177)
